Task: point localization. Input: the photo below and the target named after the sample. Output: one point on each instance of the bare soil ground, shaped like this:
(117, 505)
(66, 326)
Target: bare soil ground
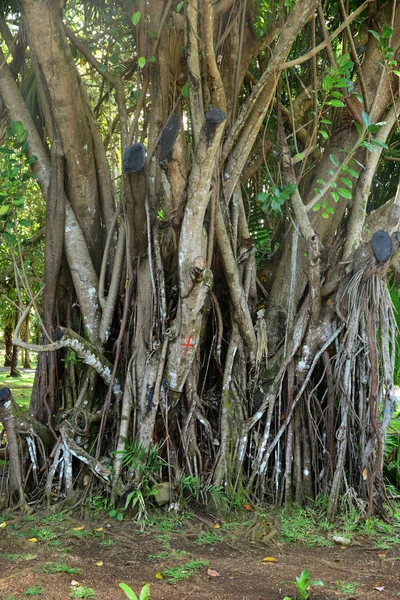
(108, 552)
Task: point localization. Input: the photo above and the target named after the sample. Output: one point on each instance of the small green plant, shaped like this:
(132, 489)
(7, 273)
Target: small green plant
(130, 594)
(349, 587)
(81, 591)
(58, 567)
(174, 574)
(107, 543)
(36, 590)
(303, 584)
(44, 534)
(191, 489)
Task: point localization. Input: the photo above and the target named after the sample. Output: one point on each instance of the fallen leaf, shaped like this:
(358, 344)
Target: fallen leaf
(79, 528)
(269, 559)
(32, 540)
(99, 529)
(379, 588)
(381, 554)
(247, 507)
(99, 563)
(365, 474)
(213, 573)
(74, 583)
(3, 524)
(217, 526)
(159, 575)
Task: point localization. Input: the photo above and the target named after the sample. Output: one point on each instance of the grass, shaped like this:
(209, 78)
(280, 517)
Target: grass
(349, 587)
(57, 567)
(17, 557)
(174, 574)
(44, 534)
(168, 554)
(208, 538)
(21, 387)
(308, 526)
(36, 590)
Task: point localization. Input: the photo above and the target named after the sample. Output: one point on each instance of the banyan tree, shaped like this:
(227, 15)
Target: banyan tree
(222, 216)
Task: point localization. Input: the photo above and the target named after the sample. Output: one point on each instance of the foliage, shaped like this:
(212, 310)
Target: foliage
(174, 574)
(190, 488)
(35, 590)
(303, 584)
(391, 465)
(130, 594)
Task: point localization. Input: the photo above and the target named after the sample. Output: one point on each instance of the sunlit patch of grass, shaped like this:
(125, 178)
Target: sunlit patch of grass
(21, 387)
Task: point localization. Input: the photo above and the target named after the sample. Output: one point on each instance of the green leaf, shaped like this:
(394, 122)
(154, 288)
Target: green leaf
(397, 73)
(3, 210)
(318, 191)
(368, 146)
(330, 210)
(179, 7)
(387, 32)
(324, 134)
(327, 83)
(365, 118)
(344, 193)
(325, 215)
(8, 151)
(102, 69)
(152, 33)
(335, 196)
(375, 34)
(321, 181)
(347, 182)
(380, 144)
(334, 160)
(359, 97)
(152, 59)
(130, 594)
(136, 18)
(25, 147)
(141, 61)
(336, 103)
(373, 128)
(18, 128)
(358, 127)
(185, 91)
(353, 173)
(299, 156)
(341, 82)
(32, 159)
(326, 121)
(344, 59)
(262, 196)
(145, 593)
(316, 207)
(337, 94)
(289, 189)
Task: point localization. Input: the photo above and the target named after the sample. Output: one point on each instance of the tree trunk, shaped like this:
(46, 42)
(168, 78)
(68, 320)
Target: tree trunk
(8, 335)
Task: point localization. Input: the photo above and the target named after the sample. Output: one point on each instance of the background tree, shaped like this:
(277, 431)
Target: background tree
(220, 292)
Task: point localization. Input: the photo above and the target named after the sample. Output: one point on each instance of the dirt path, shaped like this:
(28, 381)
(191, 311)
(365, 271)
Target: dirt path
(103, 554)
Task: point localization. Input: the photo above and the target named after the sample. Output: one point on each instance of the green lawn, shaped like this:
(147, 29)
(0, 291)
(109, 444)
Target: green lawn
(21, 387)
